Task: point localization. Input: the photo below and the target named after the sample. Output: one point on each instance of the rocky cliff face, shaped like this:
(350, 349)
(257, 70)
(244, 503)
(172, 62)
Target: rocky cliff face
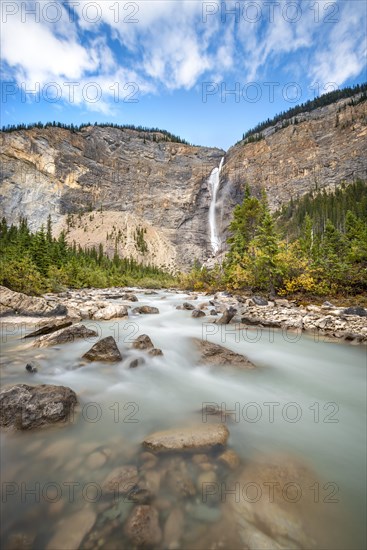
(156, 187)
(318, 150)
(109, 185)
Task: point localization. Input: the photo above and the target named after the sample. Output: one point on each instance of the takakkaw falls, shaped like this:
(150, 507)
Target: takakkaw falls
(184, 335)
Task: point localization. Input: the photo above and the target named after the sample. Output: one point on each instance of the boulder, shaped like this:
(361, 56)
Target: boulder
(16, 302)
(259, 301)
(26, 407)
(110, 311)
(356, 310)
(50, 327)
(228, 314)
(145, 310)
(188, 306)
(197, 438)
(65, 336)
(143, 342)
(142, 526)
(197, 313)
(104, 350)
(213, 354)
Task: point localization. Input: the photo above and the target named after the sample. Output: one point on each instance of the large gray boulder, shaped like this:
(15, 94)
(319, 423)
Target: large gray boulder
(104, 350)
(213, 354)
(16, 302)
(24, 407)
(65, 336)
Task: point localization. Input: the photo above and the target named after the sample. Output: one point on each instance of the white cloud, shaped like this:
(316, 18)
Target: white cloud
(173, 47)
(345, 54)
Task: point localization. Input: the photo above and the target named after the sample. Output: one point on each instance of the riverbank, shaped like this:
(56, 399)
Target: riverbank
(329, 320)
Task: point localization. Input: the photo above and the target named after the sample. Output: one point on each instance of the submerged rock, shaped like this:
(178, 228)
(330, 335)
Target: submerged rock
(155, 352)
(104, 350)
(229, 458)
(65, 336)
(31, 368)
(72, 530)
(173, 529)
(145, 310)
(277, 518)
(213, 354)
(142, 526)
(121, 481)
(25, 407)
(195, 438)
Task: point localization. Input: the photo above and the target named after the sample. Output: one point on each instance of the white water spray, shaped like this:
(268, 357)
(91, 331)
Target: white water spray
(213, 183)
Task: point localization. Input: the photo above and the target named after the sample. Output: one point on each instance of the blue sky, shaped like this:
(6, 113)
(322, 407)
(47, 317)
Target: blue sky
(173, 63)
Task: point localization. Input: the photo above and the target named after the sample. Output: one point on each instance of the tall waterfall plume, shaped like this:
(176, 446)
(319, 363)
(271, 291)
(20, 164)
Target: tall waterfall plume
(213, 184)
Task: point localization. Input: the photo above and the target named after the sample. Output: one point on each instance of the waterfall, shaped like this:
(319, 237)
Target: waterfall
(213, 184)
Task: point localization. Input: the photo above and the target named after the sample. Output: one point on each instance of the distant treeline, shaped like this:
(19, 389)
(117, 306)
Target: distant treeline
(38, 262)
(167, 136)
(326, 99)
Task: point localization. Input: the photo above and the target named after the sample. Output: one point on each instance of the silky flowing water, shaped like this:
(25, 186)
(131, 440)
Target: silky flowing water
(306, 399)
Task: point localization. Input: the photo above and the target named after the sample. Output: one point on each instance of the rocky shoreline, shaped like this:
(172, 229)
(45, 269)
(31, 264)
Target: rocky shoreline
(328, 320)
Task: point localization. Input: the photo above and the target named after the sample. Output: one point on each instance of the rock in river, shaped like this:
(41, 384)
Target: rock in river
(110, 311)
(145, 310)
(64, 336)
(25, 407)
(196, 438)
(227, 316)
(104, 350)
(50, 327)
(213, 354)
(197, 313)
(143, 342)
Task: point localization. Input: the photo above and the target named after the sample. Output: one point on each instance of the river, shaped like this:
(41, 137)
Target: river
(306, 399)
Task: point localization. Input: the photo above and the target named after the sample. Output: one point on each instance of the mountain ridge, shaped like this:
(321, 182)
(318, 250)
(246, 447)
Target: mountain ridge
(162, 186)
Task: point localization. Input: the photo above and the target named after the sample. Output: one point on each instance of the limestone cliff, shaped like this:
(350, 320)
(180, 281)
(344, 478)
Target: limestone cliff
(319, 149)
(108, 185)
(147, 184)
